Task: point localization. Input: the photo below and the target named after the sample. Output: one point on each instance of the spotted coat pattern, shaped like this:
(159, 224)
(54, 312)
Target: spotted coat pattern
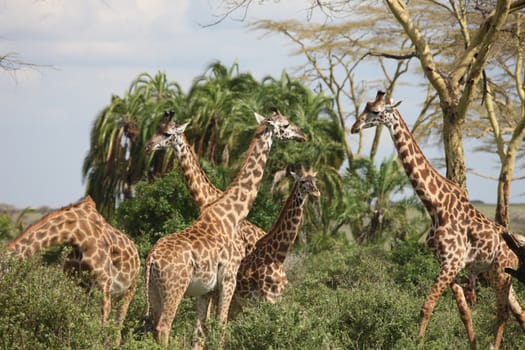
(460, 236)
(262, 272)
(98, 247)
(203, 259)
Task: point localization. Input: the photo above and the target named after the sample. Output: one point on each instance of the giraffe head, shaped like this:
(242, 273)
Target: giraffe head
(168, 133)
(379, 111)
(307, 182)
(280, 127)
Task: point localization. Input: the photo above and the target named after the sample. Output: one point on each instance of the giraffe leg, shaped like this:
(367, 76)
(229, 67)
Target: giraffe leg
(106, 304)
(225, 297)
(123, 310)
(203, 313)
(502, 288)
(516, 309)
(470, 290)
(165, 291)
(444, 279)
(155, 304)
(167, 314)
(464, 312)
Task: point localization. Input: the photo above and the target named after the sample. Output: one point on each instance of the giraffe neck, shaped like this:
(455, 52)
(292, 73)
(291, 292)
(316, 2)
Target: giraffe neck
(201, 189)
(56, 227)
(238, 198)
(428, 183)
(279, 241)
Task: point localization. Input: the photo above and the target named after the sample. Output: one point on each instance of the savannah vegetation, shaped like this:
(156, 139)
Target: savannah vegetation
(360, 270)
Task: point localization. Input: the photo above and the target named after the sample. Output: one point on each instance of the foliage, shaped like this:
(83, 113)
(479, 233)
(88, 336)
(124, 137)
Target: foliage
(350, 297)
(369, 207)
(9, 229)
(220, 103)
(43, 310)
(116, 160)
(157, 209)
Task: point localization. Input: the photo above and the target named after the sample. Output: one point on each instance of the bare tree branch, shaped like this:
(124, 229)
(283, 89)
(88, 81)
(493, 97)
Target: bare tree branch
(11, 62)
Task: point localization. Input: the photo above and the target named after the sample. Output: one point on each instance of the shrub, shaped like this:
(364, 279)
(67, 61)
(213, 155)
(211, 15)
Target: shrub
(41, 309)
(156, 209)
(417, 268)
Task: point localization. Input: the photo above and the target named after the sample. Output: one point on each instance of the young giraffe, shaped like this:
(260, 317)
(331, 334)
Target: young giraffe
(97, 247)
(261, 273)
(460, 236)
(203, 259)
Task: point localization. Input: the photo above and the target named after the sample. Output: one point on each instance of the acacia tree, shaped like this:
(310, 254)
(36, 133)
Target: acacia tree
(453, 41)
(333, 53)
(505, 110)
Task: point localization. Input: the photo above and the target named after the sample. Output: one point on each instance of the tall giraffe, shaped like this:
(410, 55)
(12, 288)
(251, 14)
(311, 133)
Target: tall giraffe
(460, 236)
(97, 247)
(262, 273)
(269, 279)
(203, 259)
(169, 134)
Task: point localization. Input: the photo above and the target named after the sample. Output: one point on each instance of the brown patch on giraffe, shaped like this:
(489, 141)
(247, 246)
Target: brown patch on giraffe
(453, 228)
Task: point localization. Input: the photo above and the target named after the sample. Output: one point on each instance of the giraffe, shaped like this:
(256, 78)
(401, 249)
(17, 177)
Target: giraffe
(270, 280)
(267, 281)
(262, 273)
(203, 259)
(460, 236)
(516, 243)
(97, 247)
(171, 134)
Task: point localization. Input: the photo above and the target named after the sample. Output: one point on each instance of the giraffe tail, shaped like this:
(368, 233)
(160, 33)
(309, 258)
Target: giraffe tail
(147, 274)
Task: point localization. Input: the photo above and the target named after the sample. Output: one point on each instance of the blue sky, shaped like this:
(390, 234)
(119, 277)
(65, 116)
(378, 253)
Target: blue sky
(96, 48)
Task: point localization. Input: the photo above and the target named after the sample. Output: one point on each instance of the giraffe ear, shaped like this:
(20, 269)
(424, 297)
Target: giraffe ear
(397, 103)
(178, 129)
(184, 126)
(294, 175)
(259, 118)
(166, 118)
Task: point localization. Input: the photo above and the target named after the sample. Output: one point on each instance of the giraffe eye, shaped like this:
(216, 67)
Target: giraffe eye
(167, 135)
(374, 112)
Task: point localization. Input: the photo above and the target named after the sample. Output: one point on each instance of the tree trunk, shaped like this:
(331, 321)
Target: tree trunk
(453, 144)
(502, 206)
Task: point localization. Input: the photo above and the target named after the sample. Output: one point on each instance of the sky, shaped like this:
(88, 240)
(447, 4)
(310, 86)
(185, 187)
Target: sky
(89, 50)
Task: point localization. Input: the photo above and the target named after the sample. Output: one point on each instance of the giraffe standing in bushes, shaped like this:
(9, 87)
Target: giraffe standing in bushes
(261, 273)
(108, 254)
(203, 259)
(169, 134)
(460, 236)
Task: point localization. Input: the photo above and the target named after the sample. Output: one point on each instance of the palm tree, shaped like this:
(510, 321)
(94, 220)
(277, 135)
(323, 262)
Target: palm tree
(215, 99)
(116, 161)
(220, 104)
(368, 205)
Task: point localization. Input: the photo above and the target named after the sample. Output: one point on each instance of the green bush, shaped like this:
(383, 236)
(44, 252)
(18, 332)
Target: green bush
(41, 309)
(8, 229)
(156, 209)
(353, 297)
(417, 268)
